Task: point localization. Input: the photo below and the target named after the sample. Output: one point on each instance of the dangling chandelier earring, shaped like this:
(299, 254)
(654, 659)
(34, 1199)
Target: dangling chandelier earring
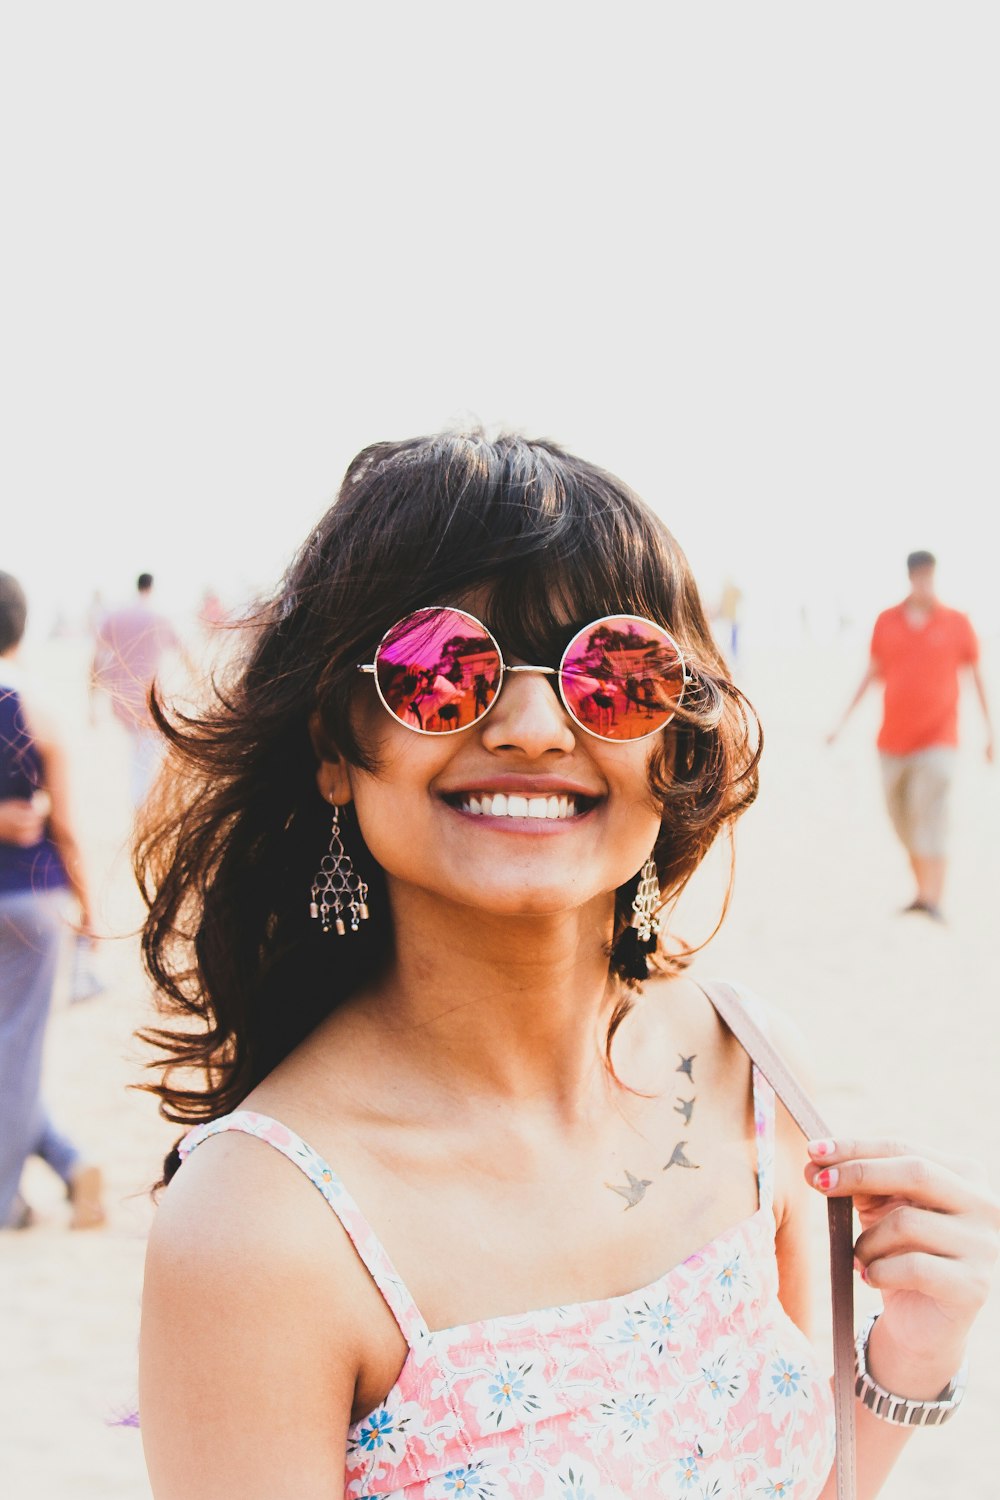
(640, 937)
(338, 887)
(647, 898)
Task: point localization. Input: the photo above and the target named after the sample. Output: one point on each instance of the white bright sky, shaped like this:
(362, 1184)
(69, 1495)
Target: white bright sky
(745, 256)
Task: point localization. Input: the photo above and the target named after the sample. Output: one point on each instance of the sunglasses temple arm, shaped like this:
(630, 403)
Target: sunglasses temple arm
(366, 666)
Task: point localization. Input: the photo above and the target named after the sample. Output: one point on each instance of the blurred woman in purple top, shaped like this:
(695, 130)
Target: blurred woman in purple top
(41, 869)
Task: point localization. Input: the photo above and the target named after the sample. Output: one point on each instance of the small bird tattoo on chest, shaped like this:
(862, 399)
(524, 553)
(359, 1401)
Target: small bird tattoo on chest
(633, 1190)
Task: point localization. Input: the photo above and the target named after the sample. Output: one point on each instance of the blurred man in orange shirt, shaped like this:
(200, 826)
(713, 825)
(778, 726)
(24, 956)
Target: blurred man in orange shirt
(917, 650)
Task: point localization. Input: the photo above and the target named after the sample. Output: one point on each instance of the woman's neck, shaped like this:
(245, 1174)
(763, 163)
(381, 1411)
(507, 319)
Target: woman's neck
(501, 1007)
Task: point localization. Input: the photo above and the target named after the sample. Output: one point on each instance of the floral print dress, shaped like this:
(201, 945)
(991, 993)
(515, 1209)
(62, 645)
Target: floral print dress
(695, 1387)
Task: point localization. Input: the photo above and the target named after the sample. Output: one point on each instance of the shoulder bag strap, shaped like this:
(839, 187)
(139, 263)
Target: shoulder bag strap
(840, 1211)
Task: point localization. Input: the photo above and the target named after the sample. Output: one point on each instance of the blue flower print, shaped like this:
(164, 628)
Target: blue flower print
(575, 1488)
(507, 1387)
(631, 1412)
(376, 1429)
(468, 1482)
(628, 1330)
(786, 1378)
(778, 1489)
(724, 1382)
(729, 1277)
(687, 1471)
(509, 1390)
(659, 1322)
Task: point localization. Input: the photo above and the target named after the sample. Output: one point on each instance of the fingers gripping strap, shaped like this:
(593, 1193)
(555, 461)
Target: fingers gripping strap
(839, 1211)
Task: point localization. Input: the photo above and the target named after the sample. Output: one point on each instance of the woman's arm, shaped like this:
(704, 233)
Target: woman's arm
(22, 822)
(871, 675)
(977, 678)
(62, 823)
(247, 1367)
(929, 1242)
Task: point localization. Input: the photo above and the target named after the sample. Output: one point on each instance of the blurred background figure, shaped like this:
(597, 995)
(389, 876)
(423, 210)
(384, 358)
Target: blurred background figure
(130, 645)
(40, 865)
(917, 650)
(211, 612)
(729, 616)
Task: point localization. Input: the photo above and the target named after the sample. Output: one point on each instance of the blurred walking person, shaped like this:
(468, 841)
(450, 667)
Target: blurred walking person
(130, 646)
(40, 869)
(918, 649)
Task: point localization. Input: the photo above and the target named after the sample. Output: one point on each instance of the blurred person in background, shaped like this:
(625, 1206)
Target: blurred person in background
(918, 648)
(40, 866)
(730, 617)
(130, 646)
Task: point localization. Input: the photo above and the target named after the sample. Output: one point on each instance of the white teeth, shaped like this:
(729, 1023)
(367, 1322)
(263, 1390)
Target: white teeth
(500, 805)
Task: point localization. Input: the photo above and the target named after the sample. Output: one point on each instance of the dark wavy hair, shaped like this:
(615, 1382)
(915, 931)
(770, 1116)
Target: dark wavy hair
(237, 827)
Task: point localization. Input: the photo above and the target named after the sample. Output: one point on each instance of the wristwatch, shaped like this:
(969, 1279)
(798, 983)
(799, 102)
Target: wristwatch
(899, 1410)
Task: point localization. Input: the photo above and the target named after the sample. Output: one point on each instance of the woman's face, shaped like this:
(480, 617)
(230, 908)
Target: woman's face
(437, 815)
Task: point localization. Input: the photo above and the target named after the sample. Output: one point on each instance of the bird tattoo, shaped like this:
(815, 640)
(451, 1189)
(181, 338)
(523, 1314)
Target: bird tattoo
(685, 1066)
(684, 1107)
(679, 1159)
(634, 1190)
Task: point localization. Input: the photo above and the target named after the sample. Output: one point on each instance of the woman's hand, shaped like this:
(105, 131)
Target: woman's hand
(84, 928)
(929, 1242)
(22, 822)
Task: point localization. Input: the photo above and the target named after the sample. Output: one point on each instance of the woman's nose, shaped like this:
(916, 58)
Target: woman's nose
(528, 715)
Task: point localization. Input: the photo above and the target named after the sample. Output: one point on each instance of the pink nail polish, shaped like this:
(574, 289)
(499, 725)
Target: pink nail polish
(820, 1148)
(827, 1178)
(864, 1274)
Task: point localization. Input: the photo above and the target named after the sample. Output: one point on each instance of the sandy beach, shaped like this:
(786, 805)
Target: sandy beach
(814, 928)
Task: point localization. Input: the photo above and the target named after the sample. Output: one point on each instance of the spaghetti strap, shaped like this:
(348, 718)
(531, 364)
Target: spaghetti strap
(764, 1117)
(763, 1102)
(366, 1242)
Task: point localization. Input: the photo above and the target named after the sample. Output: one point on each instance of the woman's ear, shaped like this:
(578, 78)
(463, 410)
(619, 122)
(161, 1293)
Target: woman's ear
(332, 776)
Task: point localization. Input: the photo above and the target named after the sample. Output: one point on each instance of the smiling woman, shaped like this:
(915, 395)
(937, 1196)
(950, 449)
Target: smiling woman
(544, 542)
(483, 735)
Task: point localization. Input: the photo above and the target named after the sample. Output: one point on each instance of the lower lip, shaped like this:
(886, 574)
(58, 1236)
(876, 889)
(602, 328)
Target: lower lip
(522, 825)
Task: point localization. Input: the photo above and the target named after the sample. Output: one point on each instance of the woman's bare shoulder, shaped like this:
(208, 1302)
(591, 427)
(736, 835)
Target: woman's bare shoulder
(679, 1005)
(236, 1196)
(244, 1318)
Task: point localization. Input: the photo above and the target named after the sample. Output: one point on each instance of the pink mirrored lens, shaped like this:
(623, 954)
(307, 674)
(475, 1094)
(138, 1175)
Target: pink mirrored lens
(622, 678)
(438, 670)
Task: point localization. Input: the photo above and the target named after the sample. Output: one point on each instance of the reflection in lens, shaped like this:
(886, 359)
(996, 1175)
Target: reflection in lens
(438, 670)
(622, 677)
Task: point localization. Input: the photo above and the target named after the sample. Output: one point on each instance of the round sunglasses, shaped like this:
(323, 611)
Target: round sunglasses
(439, 670)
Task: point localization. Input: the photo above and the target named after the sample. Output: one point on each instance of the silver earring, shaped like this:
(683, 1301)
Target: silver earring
(647, 899)
(338, 887)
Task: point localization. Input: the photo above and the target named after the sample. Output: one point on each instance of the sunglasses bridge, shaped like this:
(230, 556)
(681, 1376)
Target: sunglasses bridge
(369, 666)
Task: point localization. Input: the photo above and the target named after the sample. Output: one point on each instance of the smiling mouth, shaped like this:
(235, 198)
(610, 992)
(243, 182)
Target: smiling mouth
(551, 808)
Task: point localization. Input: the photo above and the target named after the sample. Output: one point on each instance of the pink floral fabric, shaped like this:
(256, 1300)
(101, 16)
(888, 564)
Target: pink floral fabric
(695, 1387)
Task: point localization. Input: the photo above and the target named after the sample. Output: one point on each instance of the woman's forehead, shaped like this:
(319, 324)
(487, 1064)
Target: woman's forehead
(530, 612)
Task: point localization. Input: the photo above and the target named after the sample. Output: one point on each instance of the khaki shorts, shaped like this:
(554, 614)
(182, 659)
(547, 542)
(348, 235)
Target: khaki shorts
(916, 793)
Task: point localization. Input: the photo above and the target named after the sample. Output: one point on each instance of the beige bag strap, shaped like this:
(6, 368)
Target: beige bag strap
(840, 1211)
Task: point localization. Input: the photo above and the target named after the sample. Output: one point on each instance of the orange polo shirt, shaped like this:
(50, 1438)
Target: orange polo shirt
(919, 667)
